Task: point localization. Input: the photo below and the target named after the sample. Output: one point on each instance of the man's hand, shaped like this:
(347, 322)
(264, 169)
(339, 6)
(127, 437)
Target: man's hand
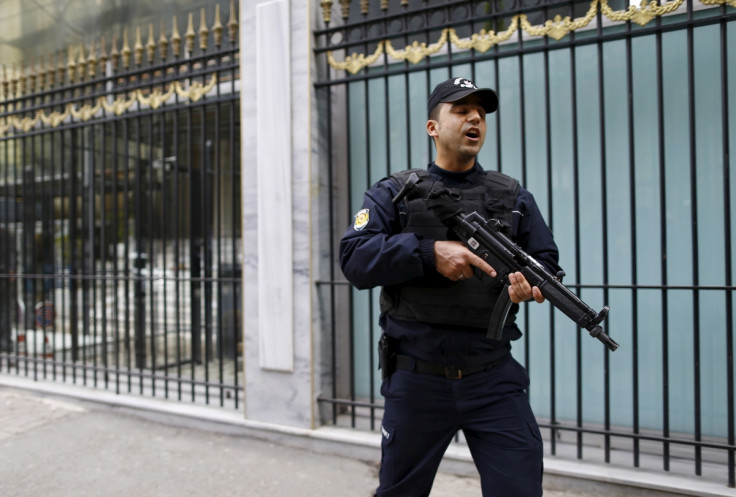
(520, 290)
(455, 261)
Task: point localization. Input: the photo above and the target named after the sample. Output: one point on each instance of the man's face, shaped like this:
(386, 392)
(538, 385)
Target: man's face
(460, 128)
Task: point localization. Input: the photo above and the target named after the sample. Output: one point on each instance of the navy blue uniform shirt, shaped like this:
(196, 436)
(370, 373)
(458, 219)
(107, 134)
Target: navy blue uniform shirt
(374, 252)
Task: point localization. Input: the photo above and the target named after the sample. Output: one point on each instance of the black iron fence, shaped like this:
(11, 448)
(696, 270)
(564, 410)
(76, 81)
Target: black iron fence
(120, 218)
(620, 119)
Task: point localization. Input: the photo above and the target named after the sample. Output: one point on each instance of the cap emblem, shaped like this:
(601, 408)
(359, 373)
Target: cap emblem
(465, 83)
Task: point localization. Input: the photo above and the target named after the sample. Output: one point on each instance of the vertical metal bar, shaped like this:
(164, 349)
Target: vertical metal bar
(90, 243)
(550, 214)
(368, 160)
(103, 248)
(140, 261)
(177, 253)
(115, 241)
(164, 252)
(29, 231)
(728, 247)
(576, 228)
(63, 172)
(194, 257)
(351, 337)
(523, 179)
(236, 195)
(152, 296)
(73, 248)
(332, 232)
(207, 246)
(632, 224)
(332, 272)
(219, 236)
(694, 236)
(604, 233)
(664, 250)
(127, 270)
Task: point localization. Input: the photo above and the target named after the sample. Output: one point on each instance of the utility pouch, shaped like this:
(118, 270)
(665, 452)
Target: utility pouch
(386, 355)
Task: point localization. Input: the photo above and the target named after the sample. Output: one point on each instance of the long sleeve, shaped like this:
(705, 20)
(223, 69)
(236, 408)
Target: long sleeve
(373, 252)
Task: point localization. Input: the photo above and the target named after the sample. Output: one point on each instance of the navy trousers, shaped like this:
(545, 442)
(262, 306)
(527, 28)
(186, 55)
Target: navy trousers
(424, 412)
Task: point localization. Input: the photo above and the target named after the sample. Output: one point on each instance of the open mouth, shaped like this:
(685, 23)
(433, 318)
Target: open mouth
(473, 133)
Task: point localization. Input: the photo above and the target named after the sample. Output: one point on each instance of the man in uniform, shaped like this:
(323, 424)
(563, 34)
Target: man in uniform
(441, 372)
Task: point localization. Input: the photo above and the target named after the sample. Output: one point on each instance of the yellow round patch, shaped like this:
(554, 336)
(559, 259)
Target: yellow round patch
(361, 219)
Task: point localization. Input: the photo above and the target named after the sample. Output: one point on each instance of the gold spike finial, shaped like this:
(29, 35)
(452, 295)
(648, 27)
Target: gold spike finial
(138, 47)
(71, 66)
(81, 63)
(92, 60)
(5, 83)
(61, 69)
(175, 39)
(13, 81)
(326, 10)
(217, 27)
(41, 74)
(125, 52)
(232, 24)
(32, 76)
(204, 32)
(103, 55)
(50, 72)
(190, 35)
(22, 79)
(114, 53)
(151, 44)
(163, 43)
(345, 8)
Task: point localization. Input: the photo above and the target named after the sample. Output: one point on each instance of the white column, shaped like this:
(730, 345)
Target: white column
(273, 163)
(276, 97)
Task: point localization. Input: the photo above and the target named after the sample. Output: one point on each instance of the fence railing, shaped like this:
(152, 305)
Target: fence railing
(120, 187)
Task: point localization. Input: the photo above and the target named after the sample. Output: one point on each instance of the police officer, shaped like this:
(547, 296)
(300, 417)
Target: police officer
(441, 372)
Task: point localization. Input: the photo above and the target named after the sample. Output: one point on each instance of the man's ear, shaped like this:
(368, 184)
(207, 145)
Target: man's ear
(432, 127)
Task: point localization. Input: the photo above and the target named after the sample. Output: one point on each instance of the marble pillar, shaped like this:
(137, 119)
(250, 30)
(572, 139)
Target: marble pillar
(276, 96)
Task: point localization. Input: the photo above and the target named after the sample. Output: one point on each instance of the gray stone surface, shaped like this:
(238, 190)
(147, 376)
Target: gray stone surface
(65, 447)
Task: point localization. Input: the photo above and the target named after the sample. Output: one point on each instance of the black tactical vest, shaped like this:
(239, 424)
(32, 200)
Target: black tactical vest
(433, 298)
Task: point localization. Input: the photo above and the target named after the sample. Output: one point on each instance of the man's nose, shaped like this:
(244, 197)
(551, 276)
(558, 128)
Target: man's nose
(474, 116)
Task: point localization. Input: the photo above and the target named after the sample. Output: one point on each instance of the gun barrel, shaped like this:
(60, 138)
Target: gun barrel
(601, 335)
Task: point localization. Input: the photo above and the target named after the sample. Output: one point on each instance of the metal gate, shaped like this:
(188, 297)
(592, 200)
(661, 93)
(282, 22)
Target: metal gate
(120, 195)
(620, 119)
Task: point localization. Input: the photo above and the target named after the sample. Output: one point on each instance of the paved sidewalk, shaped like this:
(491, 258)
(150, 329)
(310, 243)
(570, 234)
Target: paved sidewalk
(53, 446)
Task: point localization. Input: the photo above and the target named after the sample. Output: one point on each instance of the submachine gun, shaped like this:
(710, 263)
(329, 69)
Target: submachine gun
(485, 239)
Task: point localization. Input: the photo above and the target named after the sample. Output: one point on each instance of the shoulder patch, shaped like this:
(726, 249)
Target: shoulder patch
(361, 219)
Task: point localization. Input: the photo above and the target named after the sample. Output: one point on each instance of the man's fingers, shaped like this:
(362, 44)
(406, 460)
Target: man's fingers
(537, 294)
(482, 265)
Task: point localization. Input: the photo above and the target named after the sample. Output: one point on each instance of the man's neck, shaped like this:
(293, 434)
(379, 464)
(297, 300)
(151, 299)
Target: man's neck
(455, 166)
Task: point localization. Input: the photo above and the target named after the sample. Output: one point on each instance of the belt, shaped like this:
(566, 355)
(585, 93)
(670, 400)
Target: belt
(418, 366)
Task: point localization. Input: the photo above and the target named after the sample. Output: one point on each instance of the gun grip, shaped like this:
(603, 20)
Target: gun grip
(498, 317)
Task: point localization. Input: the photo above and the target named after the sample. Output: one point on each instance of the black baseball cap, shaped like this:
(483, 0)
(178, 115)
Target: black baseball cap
(454, 89)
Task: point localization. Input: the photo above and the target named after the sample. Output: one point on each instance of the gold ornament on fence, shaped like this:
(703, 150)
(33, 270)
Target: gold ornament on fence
(84, 63)
(416, 52)
(193, 92)
(556, 28)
